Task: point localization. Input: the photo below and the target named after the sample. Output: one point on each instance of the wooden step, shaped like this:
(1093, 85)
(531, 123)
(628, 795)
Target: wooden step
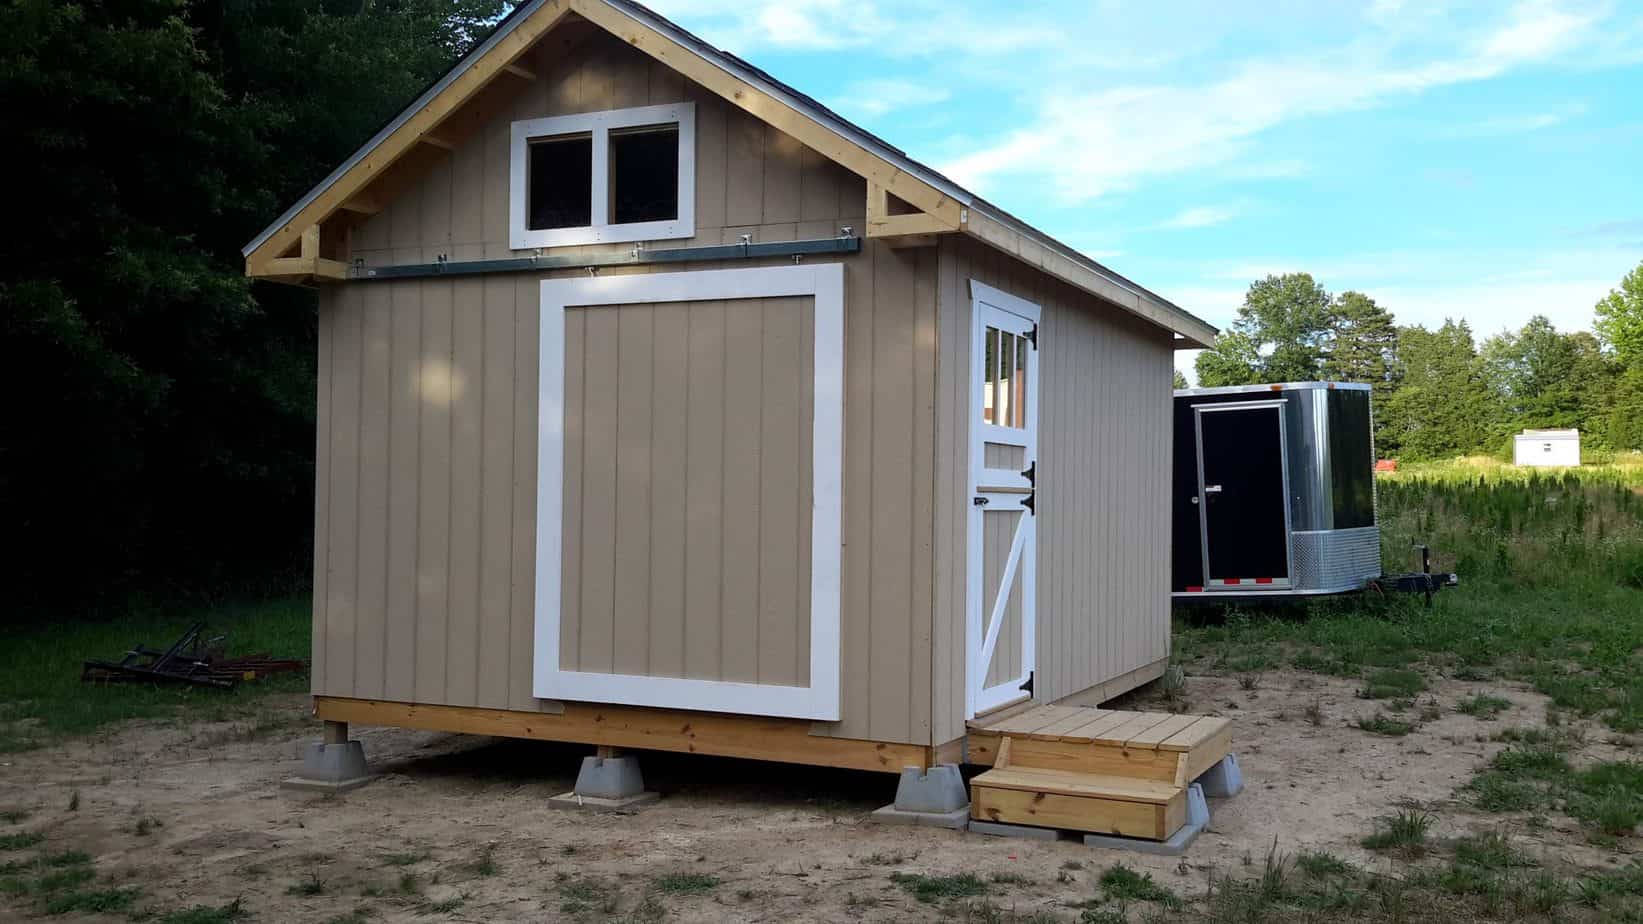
(1149, 745)
(1079, 802)
(1067, 783)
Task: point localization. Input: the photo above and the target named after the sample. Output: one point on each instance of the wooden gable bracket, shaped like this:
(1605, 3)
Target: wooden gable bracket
(305, 268)
(909, 228)
(265, 261)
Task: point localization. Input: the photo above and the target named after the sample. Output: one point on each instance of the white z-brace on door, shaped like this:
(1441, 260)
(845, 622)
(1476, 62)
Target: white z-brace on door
(1001, 630)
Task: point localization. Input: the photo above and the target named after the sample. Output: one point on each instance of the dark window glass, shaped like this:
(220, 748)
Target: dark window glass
(561, 183)
(644, 174)
(1351, 458)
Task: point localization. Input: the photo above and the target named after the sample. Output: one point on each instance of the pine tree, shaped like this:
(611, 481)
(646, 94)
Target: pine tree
(1361, 345)
(1443, 406)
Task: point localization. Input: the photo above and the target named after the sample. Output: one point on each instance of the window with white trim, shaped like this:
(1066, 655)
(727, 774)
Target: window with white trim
(597, 177)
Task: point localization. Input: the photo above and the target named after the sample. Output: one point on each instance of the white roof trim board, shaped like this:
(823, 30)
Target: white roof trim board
(743, 71)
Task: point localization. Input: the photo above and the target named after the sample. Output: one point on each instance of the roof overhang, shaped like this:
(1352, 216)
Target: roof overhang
(951, 208)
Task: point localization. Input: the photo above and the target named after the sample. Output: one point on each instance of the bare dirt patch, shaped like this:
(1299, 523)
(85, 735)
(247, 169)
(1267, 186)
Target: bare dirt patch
(459, 829)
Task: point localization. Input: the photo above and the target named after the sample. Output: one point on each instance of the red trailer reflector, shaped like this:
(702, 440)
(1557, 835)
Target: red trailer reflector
(1230, 581)
(1195, 590)
(1263, 580)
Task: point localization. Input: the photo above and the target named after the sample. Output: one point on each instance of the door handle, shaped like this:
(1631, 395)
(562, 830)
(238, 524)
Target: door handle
(1212, 489)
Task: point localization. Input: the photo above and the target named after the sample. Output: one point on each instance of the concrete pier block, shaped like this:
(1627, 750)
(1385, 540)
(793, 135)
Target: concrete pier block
(1224, 779)
(606, 783)
(1176, 844)
(935, 798)
(937, 790)
(335, 767)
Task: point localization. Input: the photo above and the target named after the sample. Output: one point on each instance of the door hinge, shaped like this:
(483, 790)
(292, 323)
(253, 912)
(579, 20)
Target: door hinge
(1028, 686)
(1031, 474)
(981, 501)
(1032, 336)
(1029, 501)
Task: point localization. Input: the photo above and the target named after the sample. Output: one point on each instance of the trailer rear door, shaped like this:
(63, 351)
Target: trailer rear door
(1243, 491)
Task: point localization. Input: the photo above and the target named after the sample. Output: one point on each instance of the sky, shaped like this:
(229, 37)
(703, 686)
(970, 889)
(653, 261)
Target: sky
(1475, 160)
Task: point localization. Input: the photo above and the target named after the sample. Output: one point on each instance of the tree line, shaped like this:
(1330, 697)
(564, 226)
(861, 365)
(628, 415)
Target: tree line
(1440, 393)
(159, 437)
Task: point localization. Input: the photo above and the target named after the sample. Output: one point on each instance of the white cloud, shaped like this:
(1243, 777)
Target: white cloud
(1200, 217)
(875, 98)
(1496, 126)
(1087, 144)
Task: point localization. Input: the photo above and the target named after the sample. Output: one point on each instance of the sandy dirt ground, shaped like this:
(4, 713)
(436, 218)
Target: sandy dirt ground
(784, 843)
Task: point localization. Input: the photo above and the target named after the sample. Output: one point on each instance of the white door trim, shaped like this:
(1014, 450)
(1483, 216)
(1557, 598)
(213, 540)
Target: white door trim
(820, 700)
(1003, 491)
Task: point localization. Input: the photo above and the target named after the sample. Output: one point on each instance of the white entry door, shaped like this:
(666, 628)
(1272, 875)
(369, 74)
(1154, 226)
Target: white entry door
(1002, 545)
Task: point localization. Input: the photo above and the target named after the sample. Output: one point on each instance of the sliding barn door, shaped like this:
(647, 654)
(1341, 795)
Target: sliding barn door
(688, 536)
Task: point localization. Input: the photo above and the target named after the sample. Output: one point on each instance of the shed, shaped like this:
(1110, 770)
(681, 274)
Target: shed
(661, 407)
(1551, 448)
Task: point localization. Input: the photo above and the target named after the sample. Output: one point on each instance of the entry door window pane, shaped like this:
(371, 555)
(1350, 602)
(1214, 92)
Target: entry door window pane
(1006, 368)
(989, 389)
(1020, 385)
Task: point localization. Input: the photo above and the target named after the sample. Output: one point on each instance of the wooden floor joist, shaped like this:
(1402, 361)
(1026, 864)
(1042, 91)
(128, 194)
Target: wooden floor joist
(754, 737)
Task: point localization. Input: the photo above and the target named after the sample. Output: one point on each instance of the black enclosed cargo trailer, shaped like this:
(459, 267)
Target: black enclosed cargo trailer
(1275, 490)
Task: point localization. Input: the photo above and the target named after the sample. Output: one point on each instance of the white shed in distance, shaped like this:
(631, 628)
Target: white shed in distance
(1547, 448)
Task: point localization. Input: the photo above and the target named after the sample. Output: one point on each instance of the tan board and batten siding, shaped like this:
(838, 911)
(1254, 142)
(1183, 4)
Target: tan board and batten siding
(1103, 483)
(427, 453)
(424, 582)
(687, 490)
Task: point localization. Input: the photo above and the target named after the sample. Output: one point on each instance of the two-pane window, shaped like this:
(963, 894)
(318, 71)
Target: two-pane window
(622, 175)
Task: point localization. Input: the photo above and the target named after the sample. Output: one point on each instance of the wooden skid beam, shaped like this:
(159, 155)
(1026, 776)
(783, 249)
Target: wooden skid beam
(754, 737)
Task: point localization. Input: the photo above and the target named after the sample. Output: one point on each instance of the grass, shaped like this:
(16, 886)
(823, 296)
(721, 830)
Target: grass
(1382, 724)
(409, 858)
(204, 914)
(42, 699)
(1320, 864)
(1121, 883)
(1549, 597)
(685, 883)
(1406, 831)
(21, 840)
(1482, 706)
(97, 901)
(931, 889)
(1490, 851)
(1393, 684)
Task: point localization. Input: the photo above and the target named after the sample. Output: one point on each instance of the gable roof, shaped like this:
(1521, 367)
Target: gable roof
(915, 182)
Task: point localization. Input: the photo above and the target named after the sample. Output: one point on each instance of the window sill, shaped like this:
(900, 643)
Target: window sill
(604, 234)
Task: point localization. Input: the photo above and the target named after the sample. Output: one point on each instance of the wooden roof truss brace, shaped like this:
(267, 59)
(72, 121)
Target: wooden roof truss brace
(934, 205)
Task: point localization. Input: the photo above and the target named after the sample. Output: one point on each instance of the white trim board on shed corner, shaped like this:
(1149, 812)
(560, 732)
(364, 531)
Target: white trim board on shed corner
(824, 282)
